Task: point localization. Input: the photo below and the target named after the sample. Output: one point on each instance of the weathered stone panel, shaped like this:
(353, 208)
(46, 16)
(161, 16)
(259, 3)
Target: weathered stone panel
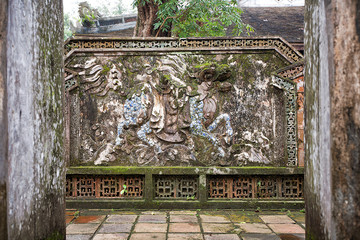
(332, 119)
(36, 169)
(246, 112)
(158, 110)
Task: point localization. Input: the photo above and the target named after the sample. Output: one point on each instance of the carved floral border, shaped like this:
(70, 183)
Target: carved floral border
(143, 44)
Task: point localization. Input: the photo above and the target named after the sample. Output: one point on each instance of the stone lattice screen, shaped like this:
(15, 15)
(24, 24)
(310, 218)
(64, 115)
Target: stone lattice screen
(185, 187)
(187, 102)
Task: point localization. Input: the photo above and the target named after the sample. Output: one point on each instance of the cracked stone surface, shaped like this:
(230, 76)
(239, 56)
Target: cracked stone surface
(184, 225)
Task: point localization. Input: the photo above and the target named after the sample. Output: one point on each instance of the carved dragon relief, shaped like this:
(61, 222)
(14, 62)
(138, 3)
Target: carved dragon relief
(165, 115)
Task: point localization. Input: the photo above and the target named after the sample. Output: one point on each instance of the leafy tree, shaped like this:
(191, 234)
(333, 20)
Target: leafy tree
(188, 18)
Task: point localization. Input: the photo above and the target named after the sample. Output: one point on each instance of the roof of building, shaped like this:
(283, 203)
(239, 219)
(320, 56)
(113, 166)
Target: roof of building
(286, 22)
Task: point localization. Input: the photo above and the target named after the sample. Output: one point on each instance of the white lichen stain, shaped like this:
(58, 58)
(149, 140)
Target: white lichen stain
(202, 180)
(262, 84)
(105, 155)
(215, 170)
(254, 155)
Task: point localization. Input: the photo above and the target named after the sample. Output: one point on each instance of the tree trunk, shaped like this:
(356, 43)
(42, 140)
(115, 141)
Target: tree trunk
(147, 11)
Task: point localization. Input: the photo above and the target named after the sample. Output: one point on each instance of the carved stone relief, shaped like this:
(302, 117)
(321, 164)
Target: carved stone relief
(176, 110)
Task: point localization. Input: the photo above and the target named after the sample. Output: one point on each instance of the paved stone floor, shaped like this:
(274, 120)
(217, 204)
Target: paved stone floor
(184, 224)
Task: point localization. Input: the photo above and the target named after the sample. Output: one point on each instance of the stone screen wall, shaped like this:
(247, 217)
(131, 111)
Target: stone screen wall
(204, 103)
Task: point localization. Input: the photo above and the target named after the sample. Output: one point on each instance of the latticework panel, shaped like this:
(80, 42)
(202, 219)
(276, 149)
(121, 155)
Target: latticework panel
(255, 187)
(293, 71)
(243, 187)
(134, 185)
(176, 187)
(165, 188)
(266, 187)
(291, 139)
(104, 186)
(69, 187)
(220, 187)
(109, 186)
(292, 187)
(85, 186)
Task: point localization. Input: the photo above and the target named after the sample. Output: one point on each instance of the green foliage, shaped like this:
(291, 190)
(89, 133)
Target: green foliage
(190, 197)
(77, 213)
(88, 18)
(198, 18)
(124, 190)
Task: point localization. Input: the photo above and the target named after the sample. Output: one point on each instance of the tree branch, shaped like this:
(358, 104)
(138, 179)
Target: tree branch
(157, 34)
(181, 14)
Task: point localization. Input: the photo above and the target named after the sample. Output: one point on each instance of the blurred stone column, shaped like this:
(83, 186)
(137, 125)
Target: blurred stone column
(332, 158)
(31, 97)
(3, 121)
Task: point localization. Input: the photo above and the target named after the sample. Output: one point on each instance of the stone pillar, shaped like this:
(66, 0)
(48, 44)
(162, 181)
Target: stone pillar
(3, 120)
(332, 158)
(31, 99)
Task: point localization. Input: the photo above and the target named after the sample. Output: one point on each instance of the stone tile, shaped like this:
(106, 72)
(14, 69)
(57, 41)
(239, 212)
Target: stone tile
(92, 212)
(217, 227)
(90, 219)
(143, 236)
(150, 227)
(183, 218)
(286, 228)
(183, 212)
(259, 236)
(120, 212)
(215, 219)
(153, 213)
(121, 218)
(288, 236)
(184, 227)
(269, 212)
(255, 228)
(116, 228)
(298, 217)
(245, 218)
(152, 218)
(112, 236)
(78, 237)
(213, 213)
(221, 237)
(68, 219)
(184, 236)
(85, 228)
(276, 219)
